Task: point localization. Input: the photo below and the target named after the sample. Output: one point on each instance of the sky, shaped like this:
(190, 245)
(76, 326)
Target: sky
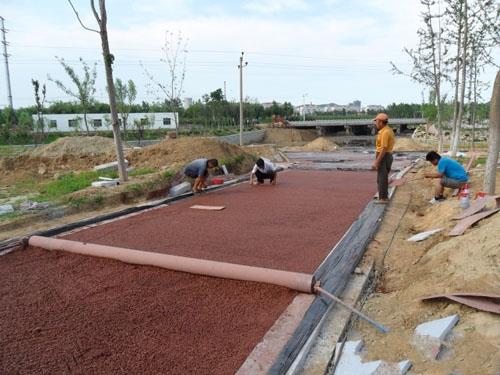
(313, 51)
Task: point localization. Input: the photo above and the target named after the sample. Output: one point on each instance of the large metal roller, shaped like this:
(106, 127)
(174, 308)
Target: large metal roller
(293, 280)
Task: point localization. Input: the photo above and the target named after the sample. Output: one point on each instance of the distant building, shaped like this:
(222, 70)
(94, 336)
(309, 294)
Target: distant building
(270, 104)
(102, 121)
(355, 106)
(187, 102)
(373, 108)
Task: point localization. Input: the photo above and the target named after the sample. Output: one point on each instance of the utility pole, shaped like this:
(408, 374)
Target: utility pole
(241, 66)
(304, 107)
(6, 57)
(225, 97)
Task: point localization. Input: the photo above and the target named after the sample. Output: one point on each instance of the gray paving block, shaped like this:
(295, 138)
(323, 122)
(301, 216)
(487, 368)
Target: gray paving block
(439, 328)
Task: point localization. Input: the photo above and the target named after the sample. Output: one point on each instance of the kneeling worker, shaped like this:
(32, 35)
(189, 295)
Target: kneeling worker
(198, 169)
(264, 169)
(451, 174)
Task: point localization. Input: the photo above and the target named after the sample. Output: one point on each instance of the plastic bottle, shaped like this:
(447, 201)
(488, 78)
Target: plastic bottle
(464, 200)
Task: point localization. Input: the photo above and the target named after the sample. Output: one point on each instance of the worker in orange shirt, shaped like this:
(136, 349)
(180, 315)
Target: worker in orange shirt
(383, 156)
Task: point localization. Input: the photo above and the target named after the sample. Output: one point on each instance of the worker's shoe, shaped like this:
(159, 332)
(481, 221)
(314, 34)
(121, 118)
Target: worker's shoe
(438, 199)
(382, 201)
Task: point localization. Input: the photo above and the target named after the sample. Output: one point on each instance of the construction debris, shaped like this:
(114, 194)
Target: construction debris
(350, 362)
(429, 337)
(109, 167)
(6, 208)
(179, 189)
(31, 205)
(208, 208)
(424, 235)
(464, 224)
(481, 301)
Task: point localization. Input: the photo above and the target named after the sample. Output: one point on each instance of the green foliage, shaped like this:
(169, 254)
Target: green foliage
(136, 188)
(141, 171)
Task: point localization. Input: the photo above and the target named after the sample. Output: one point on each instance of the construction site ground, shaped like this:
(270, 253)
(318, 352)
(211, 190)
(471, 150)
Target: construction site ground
(405, 271)
(64, 312)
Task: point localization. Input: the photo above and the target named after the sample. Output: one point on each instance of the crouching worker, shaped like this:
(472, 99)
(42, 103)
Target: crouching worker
(198, 170)
(263, 169)
(450, 174)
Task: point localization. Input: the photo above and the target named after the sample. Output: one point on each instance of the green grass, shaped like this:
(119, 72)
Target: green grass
(141, 171)
(11, 150)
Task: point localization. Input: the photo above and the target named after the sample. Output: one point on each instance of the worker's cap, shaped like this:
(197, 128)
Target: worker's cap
(381, 117)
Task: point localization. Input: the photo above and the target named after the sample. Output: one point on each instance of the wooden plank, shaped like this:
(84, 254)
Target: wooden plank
(333, 275)
(208, 208)
(463, 224)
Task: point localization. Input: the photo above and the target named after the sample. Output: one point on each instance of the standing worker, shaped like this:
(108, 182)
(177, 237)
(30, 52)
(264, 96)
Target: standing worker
(383, 156)
(198, 170)
(450, 173)
(264, 169)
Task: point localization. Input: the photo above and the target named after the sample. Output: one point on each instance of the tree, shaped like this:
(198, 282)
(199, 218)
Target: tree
(125, 97)
(85, 88)
(102, 19)
(427, 61)
(142, 125)
(175, 51)
(493, 139)
(39, 102)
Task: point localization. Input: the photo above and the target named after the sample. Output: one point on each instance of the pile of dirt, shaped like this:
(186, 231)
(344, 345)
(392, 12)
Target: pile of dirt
(175, 153)
(438, 265)
(408, 144)
(75, 146)
(284, 137)
(321, 144)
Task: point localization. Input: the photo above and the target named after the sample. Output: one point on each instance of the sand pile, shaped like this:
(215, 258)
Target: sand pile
(175, 153)
(320, 144)
(75, 146)
(283, 137)
(408, 144)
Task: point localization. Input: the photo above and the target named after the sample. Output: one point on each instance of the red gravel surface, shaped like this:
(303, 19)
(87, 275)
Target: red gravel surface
(66, 313)
(62, 313)
(291, 226)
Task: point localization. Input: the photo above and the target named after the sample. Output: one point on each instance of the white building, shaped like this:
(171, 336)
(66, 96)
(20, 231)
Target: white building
(102, 121)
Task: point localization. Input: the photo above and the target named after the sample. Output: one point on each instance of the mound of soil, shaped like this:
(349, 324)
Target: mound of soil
(283, 137)
(175, 153)
(321, 144)
(408, 144)
(75, 146)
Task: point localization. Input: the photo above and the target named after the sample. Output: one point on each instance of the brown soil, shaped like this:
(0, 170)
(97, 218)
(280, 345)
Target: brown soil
(321, 144)
(287, 137)
(65, 313)
(76, 146)
(83, 153)
(290, 226)
(408, 144)
(437, 265)
(175, 153)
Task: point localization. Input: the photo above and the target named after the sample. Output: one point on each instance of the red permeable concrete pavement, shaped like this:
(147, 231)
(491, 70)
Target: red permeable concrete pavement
(291, 226)
(63, 313)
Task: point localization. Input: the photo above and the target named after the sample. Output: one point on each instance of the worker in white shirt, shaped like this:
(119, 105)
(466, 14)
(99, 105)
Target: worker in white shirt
(263, 169)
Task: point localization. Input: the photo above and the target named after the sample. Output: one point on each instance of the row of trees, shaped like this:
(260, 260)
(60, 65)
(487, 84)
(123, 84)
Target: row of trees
(456, 43)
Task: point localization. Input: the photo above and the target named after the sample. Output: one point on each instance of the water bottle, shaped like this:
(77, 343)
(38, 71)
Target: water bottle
(464, 200)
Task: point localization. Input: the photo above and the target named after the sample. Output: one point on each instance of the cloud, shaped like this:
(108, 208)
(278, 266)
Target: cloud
(276, 6)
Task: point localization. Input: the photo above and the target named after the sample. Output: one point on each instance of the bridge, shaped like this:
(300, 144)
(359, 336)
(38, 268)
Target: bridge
(355, 127)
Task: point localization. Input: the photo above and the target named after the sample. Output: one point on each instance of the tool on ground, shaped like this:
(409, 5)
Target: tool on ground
(379, 326)
(208, 208)
(403, 180)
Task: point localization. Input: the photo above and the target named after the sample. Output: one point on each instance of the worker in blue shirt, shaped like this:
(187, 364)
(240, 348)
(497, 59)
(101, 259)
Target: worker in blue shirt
(450, 174)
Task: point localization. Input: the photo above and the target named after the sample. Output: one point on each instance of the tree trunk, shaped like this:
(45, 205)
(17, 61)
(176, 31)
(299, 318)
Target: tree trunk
(108, 61)
(493, 139)
(456, 140)
(457, 82)
(85, 121)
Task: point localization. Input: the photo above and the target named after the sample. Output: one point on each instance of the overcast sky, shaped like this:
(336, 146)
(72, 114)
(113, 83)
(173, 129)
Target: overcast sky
(328, 50)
